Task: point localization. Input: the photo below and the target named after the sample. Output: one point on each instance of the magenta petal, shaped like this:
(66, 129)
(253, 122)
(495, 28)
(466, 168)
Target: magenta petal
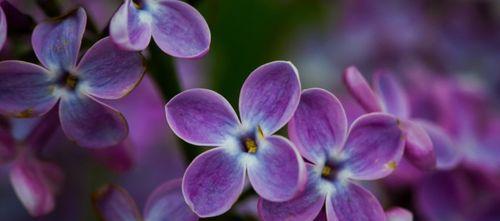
(270, 96)
(57, 42)
(319, 125)
(114, 203)
(167, 203)
(213, 182)
(26, 89)
(109, 72)
(419, 147)
(3, 28)
(399, 214)
(391, 93)
(374, 146)
(352, 202)
(129, 29)
(277, 173)
(447, 154)
(201, 117)
(91, 123)
(360, 90)
(180, 30)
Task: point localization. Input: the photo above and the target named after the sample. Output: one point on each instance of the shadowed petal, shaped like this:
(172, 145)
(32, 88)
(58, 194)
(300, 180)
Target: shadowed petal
(399, 214)
(391, 94)
(180, 30)
(167, 203)
(447, 154)
(109, 72)
(270, 96)
(114, 203)
(278, 172)
(351, 202)
(419, 147)
(25, 89)
(91, 123)
(130, 28)
(360, 90)
(57, 42)
(201, 117)
(319, 125)
(374, 146)
(7, 142)
(213, 182)
(120, 157)
(3, 28)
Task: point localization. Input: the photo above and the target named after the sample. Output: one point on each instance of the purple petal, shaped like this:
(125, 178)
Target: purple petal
(57, 42)
(270, 96)
(201, 117)
(447, 154)
(91, 123)
(419, 147)
(213, 182)
(399, 214)
(319, 125)
(278, 172)
(130, 28)
(120, 157)
(352, 202)
(7, 142)
(180, 30)
(113, 203)
(167, 203)
(374, 146)
(391, 94)
(3, 28)
(361, 91)
(109, 72)
(26, 89)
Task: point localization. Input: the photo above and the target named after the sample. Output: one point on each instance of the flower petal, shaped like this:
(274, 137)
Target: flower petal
(319, 125)
(361, 91)
(270, 96)
(213, 182)
(352, 202)
(167, 203)
(399, 214)
(113, 203)
(278, 172)
(3, 28)
(447, 154)
(7, 142)
(109, 72)
(91, 123)
(26, 89)
(419, 147)
(57, 42)
(391, 94)
(374, 146)
(180, 30)
(120, 157)
(130, 28)
(201, 117)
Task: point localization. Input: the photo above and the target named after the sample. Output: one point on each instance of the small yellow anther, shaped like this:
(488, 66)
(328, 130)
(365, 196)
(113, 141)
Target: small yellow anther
(326, 171)
(250, 145)
(392, 165)
(25, 113)
(260, 132)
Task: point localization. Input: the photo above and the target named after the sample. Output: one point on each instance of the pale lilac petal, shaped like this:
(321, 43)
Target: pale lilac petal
(180, 30)
(277, 173)
(352, 202)
(3, 28)
(167, 203)
(91, 123)
(270, 96)
(114, 203)
(129, 27)
(213, 182)
(319, 125)
(201, 117)
(57, 42)
(120, 157)
(448, 156)
(26, 89)
(361, 91)
(419, 148)
(374, 146)
(392, 95)
(109, 72)
(399, 214)
(7, 142)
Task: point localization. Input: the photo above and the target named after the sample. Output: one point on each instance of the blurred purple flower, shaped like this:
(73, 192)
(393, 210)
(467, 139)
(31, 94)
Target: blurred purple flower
(215, 179)
(369, 150)
(106, 72)
(177, 28)
(398, 214)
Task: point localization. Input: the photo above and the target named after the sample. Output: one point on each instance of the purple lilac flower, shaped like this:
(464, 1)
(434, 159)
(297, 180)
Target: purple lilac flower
(3, 28)
(113, 203)
(104, 72)
(215, 179)
(369, 150)
(398, 214)
(177, 28)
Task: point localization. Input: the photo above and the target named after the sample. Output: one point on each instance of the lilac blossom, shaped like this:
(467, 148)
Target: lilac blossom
(177, 28)
(369, 150)
(104, 72)
(215, 179)
(398, 214)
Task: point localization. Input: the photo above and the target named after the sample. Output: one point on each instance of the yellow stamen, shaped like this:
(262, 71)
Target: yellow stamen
(250, 145)
(71, 81)
(25, 113)
(260, 132)
(326, 171)
(392, 165)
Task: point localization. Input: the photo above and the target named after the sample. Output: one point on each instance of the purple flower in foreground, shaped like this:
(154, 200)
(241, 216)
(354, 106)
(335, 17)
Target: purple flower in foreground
(3, 28)
(215, 179)
(113, 203)
(105, 71)
(177, 28)
(398, 214)
(369, 150)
